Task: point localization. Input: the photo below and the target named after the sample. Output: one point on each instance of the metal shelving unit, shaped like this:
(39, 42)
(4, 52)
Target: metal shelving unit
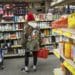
(68, 63)
(47, 36)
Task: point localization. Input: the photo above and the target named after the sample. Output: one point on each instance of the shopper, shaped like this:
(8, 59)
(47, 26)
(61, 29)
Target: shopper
(30, 42)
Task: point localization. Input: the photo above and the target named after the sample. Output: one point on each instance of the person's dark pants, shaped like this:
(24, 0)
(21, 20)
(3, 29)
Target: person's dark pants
(27, 54)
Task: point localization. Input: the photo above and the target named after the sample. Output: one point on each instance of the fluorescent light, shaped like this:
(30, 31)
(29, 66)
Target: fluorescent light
(57, 1)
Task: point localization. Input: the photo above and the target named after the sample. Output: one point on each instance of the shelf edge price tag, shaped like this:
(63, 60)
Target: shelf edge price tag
(57, 54)
(69, 67)
(67, 34)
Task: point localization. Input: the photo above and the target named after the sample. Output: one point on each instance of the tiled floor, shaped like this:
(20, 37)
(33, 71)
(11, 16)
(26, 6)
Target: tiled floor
(45, 66)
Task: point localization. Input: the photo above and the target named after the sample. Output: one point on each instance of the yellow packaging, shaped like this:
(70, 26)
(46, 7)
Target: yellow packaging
(71, 21)
(67, 51)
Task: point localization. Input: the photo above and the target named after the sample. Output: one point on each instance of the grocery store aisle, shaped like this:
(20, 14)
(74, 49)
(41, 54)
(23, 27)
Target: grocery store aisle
(45, 67)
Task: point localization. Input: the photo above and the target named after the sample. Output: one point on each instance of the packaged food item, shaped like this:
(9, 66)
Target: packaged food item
(67, 50)
(62, 22)
(71, 20)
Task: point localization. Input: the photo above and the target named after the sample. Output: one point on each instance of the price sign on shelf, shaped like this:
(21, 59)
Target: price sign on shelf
(67, 34)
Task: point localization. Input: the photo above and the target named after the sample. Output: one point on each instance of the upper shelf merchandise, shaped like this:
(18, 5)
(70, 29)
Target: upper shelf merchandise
(66, 48)
(66, 21)
(12, 21)
(65, 28)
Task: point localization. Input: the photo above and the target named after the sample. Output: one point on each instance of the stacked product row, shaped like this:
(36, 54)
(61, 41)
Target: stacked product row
(67, 49)
(65, 21)
(47, 39)
(12, 21)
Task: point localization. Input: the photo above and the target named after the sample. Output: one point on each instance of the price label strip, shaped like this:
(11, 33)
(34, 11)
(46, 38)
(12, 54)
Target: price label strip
(69, 67)
(67, 34)
(57, 54)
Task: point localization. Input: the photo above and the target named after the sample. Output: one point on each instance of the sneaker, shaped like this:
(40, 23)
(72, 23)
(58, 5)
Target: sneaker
(26, 69)
(34, 68)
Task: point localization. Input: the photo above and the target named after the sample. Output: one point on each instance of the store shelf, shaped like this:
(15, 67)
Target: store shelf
(47, 36)
(12, 55)
(70, 66)
(56, 53)
(11, 31)
(50, 43)
(68, 63)
(70, 33)
(16, 46)
(58, 31)
(10, 39)
(45, 28)
(46, 44)
(44, 21)
(12, 22)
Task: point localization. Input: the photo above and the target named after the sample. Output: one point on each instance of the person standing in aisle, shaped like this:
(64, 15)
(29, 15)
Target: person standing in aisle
(30, 42)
